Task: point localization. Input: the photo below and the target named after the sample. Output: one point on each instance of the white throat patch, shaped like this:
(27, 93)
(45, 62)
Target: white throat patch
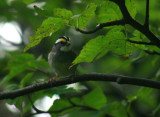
(65, 48)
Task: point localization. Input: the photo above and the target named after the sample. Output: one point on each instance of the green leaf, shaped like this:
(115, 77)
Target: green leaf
(140, 46)
(62, 13)
(139, 37)
(77, 101)
(114, 41)
(59, 105)
(99, 46)
(48, 27)
(98, 2)
(28, 1)
(115, 109)
(27, 60)
(38, 63)
(41, 12)
(20, 63)
(107, 11)
(156, 110)
(13, 72)
(18, 102)
(26, 79)
(59, 90)
(118, 44)
(131, 7)
(95, 99)
(145, 94)
(82, 20)
(80, 113)
(90, 50)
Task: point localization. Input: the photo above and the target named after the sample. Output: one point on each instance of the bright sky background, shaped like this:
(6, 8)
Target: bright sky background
(10, 32)
(42, 104)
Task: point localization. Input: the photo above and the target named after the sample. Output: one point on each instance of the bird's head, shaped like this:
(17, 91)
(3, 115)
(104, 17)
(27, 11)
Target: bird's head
(63, 43)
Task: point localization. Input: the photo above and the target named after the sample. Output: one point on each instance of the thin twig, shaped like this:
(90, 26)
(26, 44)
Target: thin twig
(54, 111)
(33, 106)
(152, 52)
(140, 42)
(102, 25)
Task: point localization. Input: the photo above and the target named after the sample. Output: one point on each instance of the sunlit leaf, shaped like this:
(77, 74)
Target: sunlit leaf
(131, 7)
(90, 50)
(107, 11)
(82, 20)
(140, 46)
(48, 27)
(62, 13)
(113, 41)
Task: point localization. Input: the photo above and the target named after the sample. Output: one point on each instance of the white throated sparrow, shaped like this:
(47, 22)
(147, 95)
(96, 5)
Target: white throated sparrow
(61, 57)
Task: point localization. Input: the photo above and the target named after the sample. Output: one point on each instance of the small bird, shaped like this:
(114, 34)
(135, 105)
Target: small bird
(61, 57)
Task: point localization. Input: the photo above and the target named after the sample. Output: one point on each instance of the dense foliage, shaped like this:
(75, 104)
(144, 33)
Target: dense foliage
(116, 49)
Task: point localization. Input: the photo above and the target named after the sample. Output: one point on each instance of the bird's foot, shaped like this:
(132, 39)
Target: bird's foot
(50, 80)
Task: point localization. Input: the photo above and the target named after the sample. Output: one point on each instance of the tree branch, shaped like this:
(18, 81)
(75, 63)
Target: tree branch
(146, 24)
(80, 78)
(145, 43)
(127, 19)
(140, 42)
(100, 26)
(152, 52)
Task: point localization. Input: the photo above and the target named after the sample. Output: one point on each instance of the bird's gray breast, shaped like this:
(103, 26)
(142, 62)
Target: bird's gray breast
(61, 62)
